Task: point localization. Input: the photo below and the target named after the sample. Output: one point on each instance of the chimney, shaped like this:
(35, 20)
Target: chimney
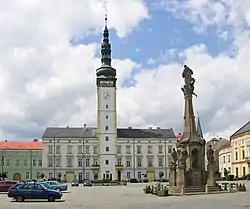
(5, 140)
(179, 133)
(67, 126)
(158, 128)
(150, 127)
(129, 127)
(35, 140)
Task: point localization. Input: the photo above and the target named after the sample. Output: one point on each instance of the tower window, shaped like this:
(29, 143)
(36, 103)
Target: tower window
(107, 117)
(107, 162)
(106, 138)
(107, 149)
(107, 106)
(106, 128)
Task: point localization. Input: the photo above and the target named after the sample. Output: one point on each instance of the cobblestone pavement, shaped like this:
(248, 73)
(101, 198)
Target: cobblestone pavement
(131, 197)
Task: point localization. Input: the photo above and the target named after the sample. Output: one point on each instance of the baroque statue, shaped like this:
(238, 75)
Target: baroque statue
(172, 157)
(210, 155)
(182, 156)
(189, 80)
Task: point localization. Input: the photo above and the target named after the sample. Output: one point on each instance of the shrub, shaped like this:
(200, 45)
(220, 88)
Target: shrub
(133, 181)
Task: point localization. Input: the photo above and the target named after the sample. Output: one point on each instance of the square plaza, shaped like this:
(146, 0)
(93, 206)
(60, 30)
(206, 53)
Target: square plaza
(131, 197)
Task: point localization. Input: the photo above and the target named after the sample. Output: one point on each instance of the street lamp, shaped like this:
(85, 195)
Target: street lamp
(54, 156)
(31, 165)
(83, 154)
(2, 162)
(165, 156)
(134, 152)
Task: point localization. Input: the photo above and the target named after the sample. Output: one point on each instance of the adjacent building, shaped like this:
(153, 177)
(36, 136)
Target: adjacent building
(21, 160)
(225, 162)
(240, 151)
(74, 153)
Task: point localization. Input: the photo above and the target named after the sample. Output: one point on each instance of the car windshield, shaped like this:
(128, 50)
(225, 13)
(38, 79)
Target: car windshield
(46, 185)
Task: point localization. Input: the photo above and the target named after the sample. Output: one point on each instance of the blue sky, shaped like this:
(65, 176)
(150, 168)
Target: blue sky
(153, 37)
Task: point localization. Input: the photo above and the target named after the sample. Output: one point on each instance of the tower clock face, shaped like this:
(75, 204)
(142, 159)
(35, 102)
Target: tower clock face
(106, 95)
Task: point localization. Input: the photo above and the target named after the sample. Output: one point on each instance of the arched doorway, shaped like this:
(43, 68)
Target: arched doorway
(17, 176)
(119, 175)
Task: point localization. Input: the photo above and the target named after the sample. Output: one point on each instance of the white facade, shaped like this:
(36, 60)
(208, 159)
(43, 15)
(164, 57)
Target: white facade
(107, 131)
(225, 161)
(136, 156)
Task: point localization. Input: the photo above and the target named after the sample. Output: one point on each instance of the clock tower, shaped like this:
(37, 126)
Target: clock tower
(106, 111)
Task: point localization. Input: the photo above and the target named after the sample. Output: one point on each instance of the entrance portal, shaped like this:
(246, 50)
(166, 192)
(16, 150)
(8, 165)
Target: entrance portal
(17, 176)
(119, 175)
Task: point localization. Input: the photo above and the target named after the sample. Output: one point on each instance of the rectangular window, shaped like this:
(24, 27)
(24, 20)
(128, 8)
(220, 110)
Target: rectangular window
(170, 147)
(160, 161)
(128, 175)
(139, 161)
(8, 162)
(34, 162)
(236, 155)
(95, 161)
(80, 177)
(107, 162)
(80, 162)
(38, 175)
(138, 149)
(106, 138)
(243, 154)
(58, 149)
(107, 117)
(69, 162)
(106, 128)
(107, 106)
(40, 162)
(50, 148)
(149, 149)
(107, 149)
(119, 149)
(27, 175)
(87, 162)
(58, 162)
(228, 157)
(79, 149)
(224, 159)
(160, 149)
(87, 150)
(128, 163)
(119, 161)
(150, 162)
(69, 149)
(139, 175)
(50, 162)
(128, 149)
(95, 150)
(17, 162)
(87, 175)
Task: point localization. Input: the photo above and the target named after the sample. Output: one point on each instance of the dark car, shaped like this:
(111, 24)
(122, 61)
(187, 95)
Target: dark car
(87, 183)
(75, 184)
(5, 185)
(33, 191)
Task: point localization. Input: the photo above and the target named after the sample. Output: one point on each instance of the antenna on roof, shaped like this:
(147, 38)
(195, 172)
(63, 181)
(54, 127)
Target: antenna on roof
(105, 4)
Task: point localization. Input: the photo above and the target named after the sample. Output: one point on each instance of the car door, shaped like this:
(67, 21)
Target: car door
(27, 191)
(38, 192)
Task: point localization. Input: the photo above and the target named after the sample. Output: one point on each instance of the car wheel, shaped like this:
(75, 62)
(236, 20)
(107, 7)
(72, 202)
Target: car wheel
(58, 189)
(19, 198)
(51, 198)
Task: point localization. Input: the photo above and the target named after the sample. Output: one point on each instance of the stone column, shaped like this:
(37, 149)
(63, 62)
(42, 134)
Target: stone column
(172, 176)
(210, 179)
(181, 176)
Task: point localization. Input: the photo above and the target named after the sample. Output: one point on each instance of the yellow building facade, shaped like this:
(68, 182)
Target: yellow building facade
(240, 151)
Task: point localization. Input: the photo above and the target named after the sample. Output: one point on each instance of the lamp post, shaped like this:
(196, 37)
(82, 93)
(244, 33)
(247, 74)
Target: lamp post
(83, 154)
(165, 156)
(31, 165)
(134, 151)
(54, 155)
(2, 163)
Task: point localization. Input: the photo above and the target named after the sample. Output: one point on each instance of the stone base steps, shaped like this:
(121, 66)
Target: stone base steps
(195, 189)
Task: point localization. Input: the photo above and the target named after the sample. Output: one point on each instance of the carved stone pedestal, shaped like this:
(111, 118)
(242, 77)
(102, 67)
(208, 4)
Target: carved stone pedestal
(172, 175)
(210, 179)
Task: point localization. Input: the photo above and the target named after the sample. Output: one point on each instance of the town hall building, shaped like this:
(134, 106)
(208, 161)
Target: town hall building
(105, 151)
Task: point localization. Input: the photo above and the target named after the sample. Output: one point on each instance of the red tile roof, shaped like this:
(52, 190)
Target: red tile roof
(179, 137)
(14, 145)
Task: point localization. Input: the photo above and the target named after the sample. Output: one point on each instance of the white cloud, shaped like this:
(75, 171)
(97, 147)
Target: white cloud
(45, 81)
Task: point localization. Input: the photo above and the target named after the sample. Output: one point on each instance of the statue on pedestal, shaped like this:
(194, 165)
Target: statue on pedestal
(182, 156)
(189, 80)
(210, 155)
(172, 158)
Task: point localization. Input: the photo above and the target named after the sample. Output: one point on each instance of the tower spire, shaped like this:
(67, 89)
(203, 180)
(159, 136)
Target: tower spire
(106, 47)
(199, 129)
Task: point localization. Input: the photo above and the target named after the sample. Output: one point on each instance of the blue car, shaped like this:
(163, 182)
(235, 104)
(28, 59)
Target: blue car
(57, 185)
(33, 191)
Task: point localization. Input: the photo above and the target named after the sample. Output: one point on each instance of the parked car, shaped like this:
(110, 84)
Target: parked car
(87, 183)
(75, 184)
(33, 191)
(5, 185)
(57, 185)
